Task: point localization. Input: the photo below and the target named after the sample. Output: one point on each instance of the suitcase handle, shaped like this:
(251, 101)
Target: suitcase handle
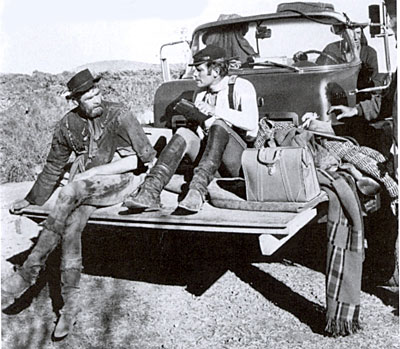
(270, 163)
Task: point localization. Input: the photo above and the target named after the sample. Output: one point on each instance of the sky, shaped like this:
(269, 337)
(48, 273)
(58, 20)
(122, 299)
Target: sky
(53, 36)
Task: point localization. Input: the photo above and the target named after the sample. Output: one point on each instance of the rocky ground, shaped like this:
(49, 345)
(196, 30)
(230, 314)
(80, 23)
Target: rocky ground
(152, 289)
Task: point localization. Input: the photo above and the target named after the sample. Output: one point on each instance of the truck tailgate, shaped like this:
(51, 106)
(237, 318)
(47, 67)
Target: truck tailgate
(275, 228)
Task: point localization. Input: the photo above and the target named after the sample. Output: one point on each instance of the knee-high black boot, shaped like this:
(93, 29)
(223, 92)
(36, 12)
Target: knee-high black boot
(16, 284)
(148, 194)
(217, 140)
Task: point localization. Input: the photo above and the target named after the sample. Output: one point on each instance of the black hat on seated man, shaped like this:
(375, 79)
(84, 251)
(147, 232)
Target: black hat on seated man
(80, 83)
(210, 53)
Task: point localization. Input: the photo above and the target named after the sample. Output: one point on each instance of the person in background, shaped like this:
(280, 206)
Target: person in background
(368, 75)
(232, 126)
(379, 107)
(109, 144)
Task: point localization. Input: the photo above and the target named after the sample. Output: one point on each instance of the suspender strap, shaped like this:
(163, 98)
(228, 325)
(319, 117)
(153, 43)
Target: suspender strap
(231, 85)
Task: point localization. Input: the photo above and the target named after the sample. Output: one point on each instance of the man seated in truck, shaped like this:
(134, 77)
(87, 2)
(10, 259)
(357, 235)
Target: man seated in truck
(232, 126)
(336, 52)
(232, 39)
(96, 131)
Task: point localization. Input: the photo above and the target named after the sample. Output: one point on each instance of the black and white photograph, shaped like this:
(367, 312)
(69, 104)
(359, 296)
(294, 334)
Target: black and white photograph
(199, 174)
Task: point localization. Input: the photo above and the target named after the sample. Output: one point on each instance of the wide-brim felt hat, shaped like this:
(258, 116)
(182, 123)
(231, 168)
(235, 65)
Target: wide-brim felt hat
(81, 82)
(324, 129)
(210, 53)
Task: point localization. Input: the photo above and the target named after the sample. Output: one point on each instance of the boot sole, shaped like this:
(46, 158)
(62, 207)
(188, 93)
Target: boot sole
(133, 205)
(192, 210)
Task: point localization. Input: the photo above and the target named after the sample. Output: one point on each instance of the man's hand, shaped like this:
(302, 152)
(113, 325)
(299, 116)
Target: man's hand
(17, 207)
(205, 108)
(307, 118)
(344, 112)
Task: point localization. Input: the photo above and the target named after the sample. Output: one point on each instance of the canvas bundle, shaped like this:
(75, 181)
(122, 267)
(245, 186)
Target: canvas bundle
(280, 174)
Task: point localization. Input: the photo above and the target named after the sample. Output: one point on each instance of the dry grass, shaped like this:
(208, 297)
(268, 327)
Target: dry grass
(30, 106)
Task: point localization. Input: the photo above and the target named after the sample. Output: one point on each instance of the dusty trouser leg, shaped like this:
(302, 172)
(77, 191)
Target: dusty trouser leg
(104, 191)
(109, 190)
(183, 142)
(224, 146)
(71, 266)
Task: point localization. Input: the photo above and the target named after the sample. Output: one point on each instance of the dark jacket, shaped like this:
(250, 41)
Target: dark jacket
(369, 69)
(116, 127)
(382, 106)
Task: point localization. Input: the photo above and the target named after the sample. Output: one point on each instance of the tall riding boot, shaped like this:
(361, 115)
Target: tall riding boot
(217, 140)
(25, 276)
(70, 278)
(148, 194)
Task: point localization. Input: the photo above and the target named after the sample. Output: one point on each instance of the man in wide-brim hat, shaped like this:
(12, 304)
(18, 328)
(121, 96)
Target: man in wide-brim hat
(96, 131)
(231, 127)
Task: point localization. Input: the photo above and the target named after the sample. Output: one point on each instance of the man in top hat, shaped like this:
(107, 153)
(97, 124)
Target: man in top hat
(231, 127)
(98, 132)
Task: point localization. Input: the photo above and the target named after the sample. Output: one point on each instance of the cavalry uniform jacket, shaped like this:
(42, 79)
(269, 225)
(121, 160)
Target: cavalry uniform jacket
(95, 140)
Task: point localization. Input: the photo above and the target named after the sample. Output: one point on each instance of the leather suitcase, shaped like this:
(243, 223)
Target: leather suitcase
(280, 174)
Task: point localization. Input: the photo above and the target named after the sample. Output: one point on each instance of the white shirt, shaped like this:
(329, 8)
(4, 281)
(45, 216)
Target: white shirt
(244, 96)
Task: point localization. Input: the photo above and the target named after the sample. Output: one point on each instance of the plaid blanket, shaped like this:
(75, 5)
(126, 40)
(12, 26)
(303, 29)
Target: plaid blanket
(366, 160)
(345, 253)
(345, 228)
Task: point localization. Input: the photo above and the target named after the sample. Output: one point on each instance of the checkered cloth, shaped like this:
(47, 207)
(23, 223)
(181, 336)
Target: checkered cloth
(267, 129)
(366, 160)
(345, 253)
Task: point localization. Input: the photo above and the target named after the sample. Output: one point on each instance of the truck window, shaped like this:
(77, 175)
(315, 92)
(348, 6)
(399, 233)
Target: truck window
(292, 41)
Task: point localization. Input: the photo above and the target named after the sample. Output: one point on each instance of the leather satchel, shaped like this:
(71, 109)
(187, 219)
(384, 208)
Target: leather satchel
(190, 112)
(280, 174)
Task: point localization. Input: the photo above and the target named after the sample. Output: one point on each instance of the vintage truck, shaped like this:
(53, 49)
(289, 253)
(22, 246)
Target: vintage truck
(283, 55)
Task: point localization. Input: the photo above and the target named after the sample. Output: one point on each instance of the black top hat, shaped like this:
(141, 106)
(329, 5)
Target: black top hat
(210, 53)
(80, 83)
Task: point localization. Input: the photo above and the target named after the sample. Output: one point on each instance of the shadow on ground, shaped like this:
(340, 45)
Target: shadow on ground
(308, 248)
(190, 259)
(197, 260)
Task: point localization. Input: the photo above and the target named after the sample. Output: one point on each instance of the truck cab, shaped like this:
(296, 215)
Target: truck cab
(303, 58)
